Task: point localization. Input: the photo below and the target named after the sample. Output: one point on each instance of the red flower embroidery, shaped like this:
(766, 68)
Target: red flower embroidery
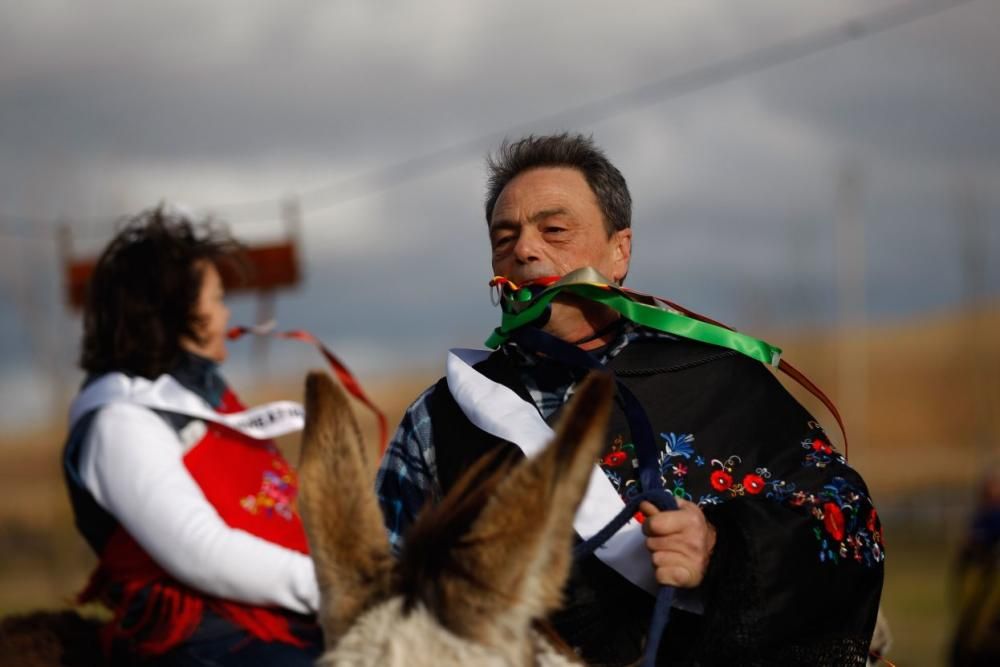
(820, 446)
(615, 459)
(873, 521)
(721, 480)
(753, 484)
(833, 521)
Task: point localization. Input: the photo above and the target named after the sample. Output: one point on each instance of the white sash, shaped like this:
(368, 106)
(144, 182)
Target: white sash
(499, 411)
(165, 393)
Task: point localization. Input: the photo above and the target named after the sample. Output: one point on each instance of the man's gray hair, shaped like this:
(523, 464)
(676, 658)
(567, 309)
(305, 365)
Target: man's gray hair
(562, 150)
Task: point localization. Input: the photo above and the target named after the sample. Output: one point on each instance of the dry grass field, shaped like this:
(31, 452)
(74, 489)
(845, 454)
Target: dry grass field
(923, 422)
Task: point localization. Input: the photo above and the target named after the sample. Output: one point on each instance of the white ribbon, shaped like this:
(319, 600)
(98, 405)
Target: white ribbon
(167, 394)
(499, 411)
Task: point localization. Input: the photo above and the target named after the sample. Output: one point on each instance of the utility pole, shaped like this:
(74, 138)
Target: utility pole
(852, 366)
(291, 218)
(981, 377)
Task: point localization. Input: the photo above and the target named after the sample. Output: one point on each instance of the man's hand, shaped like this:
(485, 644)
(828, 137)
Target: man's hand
(680, 543)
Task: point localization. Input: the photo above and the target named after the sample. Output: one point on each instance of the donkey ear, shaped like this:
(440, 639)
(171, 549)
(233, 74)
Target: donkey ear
(511, 566)
(341, 515)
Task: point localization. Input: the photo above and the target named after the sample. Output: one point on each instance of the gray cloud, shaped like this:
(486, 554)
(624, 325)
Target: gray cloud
(107, 107)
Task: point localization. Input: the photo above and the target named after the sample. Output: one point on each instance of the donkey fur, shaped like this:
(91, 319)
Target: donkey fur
(470, 594)
(50, 639)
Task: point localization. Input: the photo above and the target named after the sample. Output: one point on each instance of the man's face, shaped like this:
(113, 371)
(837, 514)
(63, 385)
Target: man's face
(547, 222)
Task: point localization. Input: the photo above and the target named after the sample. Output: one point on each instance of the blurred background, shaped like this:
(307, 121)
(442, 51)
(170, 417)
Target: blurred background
(822, 175)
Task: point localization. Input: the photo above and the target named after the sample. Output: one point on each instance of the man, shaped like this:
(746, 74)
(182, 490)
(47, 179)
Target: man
(775, 549)
(976, 584)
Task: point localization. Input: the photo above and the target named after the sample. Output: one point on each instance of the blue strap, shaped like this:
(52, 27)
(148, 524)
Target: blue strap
(642, 431)
(665, 596)
(650, 481)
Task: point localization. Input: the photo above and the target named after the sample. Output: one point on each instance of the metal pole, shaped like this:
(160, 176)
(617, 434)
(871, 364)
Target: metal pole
(852, 367)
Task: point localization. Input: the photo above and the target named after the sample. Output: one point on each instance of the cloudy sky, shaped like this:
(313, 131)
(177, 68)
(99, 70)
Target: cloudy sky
(736, 124)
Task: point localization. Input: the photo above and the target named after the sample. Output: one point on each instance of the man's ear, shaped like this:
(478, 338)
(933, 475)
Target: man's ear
(622, 240)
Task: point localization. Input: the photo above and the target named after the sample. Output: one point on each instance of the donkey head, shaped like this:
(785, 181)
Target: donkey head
(477, 569)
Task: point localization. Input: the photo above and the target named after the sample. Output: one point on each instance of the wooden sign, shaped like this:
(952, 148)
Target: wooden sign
(264, 268)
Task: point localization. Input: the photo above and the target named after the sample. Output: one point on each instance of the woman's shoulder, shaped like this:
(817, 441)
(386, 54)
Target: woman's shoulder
(143, 396)
(125, 411)
(101, 391)
(113, 402)
(120, 419)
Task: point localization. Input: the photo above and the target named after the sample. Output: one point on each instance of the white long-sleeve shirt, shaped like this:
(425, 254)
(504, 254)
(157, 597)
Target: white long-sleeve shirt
(131, 462)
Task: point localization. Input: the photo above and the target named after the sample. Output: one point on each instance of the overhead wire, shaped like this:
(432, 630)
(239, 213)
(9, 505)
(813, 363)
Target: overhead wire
(676, 85)
(700, 78)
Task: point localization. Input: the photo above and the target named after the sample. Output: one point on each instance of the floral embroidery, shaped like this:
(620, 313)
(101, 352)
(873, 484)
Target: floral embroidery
(846, 526)
(678, 444)
(615, 459)
(615, 479)
(680, 492)
(841, 531)
(673, 471)
(620, 453)
(276, 495)
(833, 520)
(721, 480)
(753, 484)
(850, 520)
(780, 491)
(631, 490)
(819, 452)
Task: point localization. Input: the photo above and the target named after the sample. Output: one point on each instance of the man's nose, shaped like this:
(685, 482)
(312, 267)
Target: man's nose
(529, 246)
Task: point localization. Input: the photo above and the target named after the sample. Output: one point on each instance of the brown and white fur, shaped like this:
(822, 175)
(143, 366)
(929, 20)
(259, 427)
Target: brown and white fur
(479, 570)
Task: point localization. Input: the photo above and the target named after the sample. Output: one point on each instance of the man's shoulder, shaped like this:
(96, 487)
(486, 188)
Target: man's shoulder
(433, 404)
(654, 352)
(719, 376)
(422, 399)
(438, 395)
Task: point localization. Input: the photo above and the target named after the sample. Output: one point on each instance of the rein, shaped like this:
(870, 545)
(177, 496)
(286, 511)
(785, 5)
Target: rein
(650, 480)
(347, 379)
(665, 596)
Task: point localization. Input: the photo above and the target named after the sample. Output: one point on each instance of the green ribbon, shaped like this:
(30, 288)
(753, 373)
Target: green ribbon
(521, 308)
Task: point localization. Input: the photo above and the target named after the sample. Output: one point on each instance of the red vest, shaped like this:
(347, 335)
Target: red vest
(252, 488)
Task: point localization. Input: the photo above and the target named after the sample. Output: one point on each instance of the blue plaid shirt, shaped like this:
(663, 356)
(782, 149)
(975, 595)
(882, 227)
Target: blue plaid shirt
(407, 476)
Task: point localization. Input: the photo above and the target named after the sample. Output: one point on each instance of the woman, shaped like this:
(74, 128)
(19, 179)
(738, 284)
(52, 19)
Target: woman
(189, 508)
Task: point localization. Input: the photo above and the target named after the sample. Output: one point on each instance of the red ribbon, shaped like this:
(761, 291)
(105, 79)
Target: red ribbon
(783, 365)
(345, 376)
(500, 283)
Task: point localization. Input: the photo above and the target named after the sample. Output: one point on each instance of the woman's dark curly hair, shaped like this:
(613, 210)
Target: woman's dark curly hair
(143, 294)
